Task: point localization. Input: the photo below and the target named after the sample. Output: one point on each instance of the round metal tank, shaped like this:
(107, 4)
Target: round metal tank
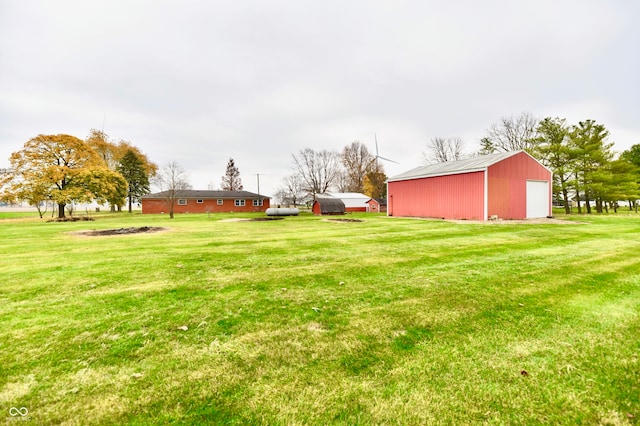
(278, 211)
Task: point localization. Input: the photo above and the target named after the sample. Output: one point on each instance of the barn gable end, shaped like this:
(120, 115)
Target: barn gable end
(507, 185)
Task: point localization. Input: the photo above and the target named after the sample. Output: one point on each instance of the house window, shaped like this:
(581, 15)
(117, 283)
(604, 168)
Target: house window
(239, 203)
(220, 202)
(199, 201)
(182, 202)
(257, 203)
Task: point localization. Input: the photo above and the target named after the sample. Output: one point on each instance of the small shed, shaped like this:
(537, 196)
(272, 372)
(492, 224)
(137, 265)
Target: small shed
(511, 185)
(328, 206)
(353, 201)
(377, 205)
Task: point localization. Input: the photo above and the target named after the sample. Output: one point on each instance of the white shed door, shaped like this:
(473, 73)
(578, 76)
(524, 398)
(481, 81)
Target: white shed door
(537, 199)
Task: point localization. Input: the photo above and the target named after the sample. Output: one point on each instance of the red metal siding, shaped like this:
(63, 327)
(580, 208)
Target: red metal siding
(507, 181)
(374, 207)
(458, 196)
(207, 206)
(316, 209)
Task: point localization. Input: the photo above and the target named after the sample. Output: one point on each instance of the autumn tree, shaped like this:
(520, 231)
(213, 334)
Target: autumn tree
(440, 150)
(133, 169)
(53, 167)
(375, 182)
(356, 160)
(36, 192)
(102, 185)
(171, 179)
(317, 169)
(112, 153)
(231, 180)
(109, 152)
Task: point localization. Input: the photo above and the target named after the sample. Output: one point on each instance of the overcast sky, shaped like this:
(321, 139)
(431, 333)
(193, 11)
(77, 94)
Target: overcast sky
(199, 82)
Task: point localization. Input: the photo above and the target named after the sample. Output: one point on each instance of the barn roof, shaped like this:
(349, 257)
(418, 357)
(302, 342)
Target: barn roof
(468, 165)
(350, 199)
(202, 194)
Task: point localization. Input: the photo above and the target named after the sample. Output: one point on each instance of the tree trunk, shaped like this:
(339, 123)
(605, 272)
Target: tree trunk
(587, 202)
(565, 197)
(113, 208)
(130, 202)
(61, 210)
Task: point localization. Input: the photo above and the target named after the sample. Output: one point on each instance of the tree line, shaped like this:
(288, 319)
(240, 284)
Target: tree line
(65, 170)
(587, 172)
(354, 169)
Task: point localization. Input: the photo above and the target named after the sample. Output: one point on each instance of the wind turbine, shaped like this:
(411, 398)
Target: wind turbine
(378, 157)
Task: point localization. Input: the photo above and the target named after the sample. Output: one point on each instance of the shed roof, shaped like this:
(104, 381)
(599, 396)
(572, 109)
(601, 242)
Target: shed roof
(202, 194)
(330, 205)
(468, 165)
(380, 201)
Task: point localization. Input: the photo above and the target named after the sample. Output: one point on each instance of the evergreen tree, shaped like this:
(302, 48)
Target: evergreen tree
(231, 180)
(134, 171)
(554, 151)
(588, 140)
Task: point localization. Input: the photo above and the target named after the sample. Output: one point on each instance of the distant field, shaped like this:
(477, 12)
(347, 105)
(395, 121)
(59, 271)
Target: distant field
(308, 321)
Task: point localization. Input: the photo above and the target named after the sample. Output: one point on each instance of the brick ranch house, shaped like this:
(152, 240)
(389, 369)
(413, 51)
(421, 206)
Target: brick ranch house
(197, 201)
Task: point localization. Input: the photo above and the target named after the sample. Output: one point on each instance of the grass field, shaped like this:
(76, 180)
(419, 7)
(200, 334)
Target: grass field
(306, 321)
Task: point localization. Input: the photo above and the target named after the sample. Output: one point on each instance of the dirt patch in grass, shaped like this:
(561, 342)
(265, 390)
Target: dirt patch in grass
(71, 219)
(345, 220)
(121, 231)
(255, 219)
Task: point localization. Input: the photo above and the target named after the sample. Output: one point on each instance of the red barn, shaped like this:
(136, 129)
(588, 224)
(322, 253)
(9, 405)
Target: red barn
(511, 185)
(195, 201)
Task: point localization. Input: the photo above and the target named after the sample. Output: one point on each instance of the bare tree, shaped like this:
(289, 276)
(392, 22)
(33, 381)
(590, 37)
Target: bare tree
(356, 160)
(317, 169)
(171, 180)
(514, 133)
(440, 150)
(291, 191)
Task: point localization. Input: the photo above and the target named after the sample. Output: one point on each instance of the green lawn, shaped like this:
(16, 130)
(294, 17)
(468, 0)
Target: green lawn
(306, 321)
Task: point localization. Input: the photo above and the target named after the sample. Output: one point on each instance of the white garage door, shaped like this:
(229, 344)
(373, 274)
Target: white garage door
(537, 199)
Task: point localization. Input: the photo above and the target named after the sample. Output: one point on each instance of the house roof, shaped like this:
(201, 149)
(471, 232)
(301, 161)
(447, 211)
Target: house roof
(468, 165)
(201, 194)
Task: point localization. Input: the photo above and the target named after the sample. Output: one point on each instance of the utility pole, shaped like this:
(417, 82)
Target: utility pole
(259, 197)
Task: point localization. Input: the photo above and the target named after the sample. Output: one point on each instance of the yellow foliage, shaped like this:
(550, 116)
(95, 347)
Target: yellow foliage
(55, 167)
